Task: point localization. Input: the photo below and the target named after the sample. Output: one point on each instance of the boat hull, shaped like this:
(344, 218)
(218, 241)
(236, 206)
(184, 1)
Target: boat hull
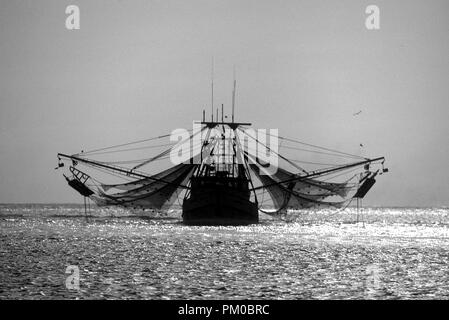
(219, 207)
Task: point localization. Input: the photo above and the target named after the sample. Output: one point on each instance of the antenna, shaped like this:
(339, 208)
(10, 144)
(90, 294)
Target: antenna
(222, 112)
(212, 87)
(233, 97)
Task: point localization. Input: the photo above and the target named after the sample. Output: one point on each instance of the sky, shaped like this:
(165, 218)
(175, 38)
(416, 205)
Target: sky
(137, 69)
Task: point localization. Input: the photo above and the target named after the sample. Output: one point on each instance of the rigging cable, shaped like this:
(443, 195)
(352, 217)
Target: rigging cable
(322, 148)
(268, 148)
(125, 144)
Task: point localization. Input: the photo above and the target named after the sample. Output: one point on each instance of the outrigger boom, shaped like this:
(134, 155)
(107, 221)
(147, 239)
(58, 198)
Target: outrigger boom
(117, 169)
(322, 172)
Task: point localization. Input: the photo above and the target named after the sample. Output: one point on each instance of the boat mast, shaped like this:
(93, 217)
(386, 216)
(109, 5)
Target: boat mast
(233, 97)
(233, 131)
(212, 88)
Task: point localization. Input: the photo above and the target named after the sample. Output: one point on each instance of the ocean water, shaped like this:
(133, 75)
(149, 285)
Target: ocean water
(390, 253)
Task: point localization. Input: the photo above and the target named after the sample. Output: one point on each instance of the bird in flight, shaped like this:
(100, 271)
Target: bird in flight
(357, 113)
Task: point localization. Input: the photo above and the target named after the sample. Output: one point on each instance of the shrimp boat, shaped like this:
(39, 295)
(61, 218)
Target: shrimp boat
(220, 173)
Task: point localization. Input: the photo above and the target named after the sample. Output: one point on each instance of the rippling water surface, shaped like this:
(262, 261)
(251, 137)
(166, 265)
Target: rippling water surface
(390, 253)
